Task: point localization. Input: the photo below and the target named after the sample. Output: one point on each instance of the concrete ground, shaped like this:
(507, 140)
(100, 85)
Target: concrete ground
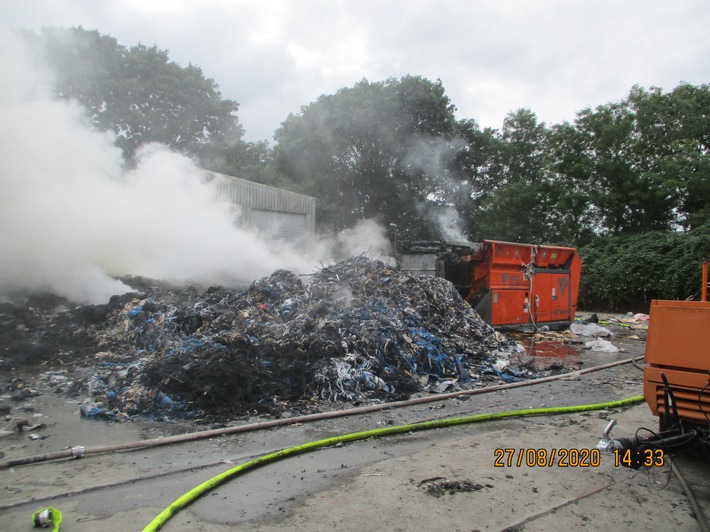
(394, 483)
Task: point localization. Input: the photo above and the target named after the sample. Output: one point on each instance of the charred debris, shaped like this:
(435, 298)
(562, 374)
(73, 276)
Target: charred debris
(352, 332)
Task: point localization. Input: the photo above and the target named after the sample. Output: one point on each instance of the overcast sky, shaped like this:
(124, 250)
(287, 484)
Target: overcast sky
(555, 57)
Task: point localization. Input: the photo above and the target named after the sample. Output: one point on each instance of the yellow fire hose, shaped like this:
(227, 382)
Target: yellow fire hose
(212, 483)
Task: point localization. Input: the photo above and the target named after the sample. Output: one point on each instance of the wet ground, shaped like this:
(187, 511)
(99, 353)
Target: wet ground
(546, 353)
(375, 484)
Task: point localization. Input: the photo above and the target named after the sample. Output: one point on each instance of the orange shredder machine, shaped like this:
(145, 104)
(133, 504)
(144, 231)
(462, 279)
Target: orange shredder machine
(677, 378)
(512, 286)
(676, 383)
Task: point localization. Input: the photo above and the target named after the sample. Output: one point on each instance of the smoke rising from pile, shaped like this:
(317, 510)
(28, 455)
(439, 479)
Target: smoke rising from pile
(451, 225)
(72, 219)
(430, 155)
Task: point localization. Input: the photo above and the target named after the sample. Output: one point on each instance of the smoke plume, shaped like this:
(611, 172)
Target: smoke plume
(72, 219)
(430, 155)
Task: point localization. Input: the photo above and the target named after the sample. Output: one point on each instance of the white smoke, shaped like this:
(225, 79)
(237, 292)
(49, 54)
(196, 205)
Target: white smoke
(366, 237)
(451, 225)
(71, 219)
(430, 155)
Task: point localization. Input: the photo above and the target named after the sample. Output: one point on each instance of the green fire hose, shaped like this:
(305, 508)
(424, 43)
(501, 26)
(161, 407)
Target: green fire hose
(212, 483)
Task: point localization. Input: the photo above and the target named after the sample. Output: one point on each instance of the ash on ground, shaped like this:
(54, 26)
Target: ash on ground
(353, 332)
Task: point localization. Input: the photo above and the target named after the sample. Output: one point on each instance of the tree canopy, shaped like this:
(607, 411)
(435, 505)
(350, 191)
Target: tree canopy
(139, 94)
(394, 150)
(642, 163)
(517, 201)
(377, 150)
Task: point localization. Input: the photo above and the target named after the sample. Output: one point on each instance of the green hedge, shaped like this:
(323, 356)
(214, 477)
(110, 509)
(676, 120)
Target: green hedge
(624, 273)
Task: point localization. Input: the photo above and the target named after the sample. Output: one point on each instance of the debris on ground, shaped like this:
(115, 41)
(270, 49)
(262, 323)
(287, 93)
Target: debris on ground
(632, 321)
(553, 336)
(354, 331)
(13, 424)
(625, 326)
(439, 486)
(602, 346)
(589, 329)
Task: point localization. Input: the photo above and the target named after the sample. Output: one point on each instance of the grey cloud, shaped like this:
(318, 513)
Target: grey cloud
(554, 57)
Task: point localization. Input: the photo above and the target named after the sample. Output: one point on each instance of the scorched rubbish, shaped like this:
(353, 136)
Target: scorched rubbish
(355, 331)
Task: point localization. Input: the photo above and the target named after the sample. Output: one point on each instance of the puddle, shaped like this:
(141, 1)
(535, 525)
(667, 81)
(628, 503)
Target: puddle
(542, 354)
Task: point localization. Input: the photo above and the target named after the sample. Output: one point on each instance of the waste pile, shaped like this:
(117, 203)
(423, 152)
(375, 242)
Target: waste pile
(354, 331)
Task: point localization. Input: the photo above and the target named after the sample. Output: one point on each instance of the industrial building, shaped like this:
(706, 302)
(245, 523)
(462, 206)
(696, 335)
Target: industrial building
(270, 211)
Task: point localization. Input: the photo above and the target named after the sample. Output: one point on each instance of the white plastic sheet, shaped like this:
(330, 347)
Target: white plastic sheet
(589, 329)
(602, 346)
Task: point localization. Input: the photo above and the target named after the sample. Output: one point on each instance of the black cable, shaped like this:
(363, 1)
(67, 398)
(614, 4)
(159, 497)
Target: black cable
(669, 396)
(700, 402)
(666, 443)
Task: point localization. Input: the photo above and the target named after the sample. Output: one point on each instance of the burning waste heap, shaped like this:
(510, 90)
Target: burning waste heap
(358, 330)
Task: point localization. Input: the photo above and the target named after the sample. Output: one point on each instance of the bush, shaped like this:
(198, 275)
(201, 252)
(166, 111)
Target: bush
(624, 273)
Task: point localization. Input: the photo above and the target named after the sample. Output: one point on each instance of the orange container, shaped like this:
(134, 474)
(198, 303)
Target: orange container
(515, 286)
(678, 345)
(521, 285)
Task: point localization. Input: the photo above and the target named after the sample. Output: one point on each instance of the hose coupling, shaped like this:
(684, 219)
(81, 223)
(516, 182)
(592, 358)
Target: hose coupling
(606, 444)
(78, 451)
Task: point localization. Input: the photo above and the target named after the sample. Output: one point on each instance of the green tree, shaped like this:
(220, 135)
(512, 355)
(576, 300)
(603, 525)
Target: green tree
(470, 168)
(630, 198)
(674, 134)
(140, 95)
(380, 150)
(252, 161)
(519, 203)
(642, 163)
(626, 272)
(577, 215)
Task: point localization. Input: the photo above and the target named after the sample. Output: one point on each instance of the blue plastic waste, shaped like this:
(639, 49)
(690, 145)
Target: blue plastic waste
(164, 400)
(92, 411)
